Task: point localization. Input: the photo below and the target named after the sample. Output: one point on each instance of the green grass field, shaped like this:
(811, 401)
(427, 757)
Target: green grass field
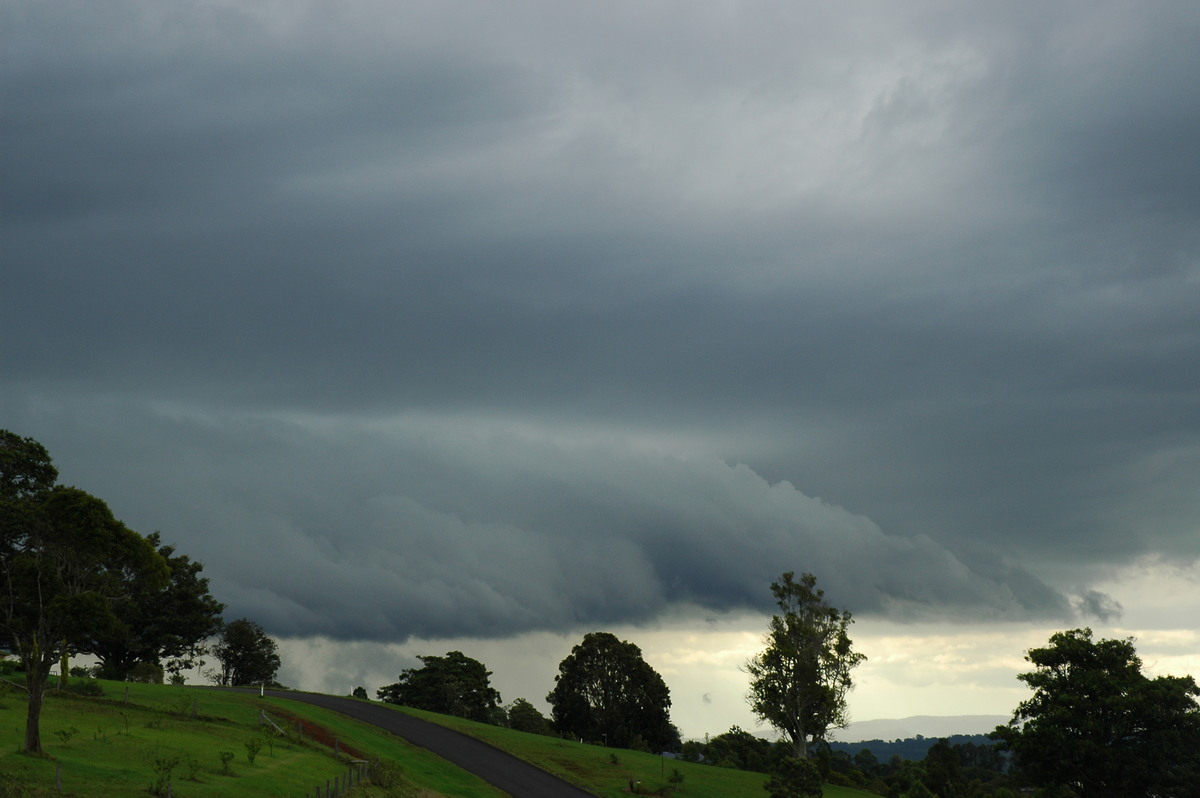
(592, 767)
(107, 748)
(113, 747)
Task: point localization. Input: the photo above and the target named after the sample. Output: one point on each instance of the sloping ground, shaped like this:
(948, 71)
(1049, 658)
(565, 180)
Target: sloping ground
(503, 770)
(121, 744)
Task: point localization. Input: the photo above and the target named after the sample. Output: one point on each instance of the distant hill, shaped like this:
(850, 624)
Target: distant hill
(934, 726)
(913, 748)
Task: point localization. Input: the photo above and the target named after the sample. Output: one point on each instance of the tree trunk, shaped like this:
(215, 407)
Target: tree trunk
(36, 676)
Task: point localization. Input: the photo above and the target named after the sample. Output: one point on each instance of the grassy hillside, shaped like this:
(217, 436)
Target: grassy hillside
(114, 746)
(108, 748)
(593, 767)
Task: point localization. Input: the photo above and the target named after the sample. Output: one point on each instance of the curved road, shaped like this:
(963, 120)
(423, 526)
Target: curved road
(515, 776)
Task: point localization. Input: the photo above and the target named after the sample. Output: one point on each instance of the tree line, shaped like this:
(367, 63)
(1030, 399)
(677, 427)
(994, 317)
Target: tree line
(75, 580)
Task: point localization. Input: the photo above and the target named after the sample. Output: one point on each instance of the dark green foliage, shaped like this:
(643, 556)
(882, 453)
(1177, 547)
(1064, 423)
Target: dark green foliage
(360, 692)
(25, 467)
(1098, 726)
(452, 685)
(64, 560)
(605, 692)
(524, 716)
(795, 777)
(799, 683)
(158, 622)
(741, 750)
(247, 655)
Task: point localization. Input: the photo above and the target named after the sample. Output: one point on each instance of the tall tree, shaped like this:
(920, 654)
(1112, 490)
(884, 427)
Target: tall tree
(452, 685)
(158, 622)
(63, 561)
(1098, 726)
(604, 690)
(798, 684)
(247, 655)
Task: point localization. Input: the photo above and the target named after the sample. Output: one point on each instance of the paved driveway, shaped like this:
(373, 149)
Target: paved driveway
(515, 776)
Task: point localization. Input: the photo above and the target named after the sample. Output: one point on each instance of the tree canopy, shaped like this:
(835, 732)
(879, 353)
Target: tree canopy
(247, 655)
(156, 622)
(524, 716)
(605, 691)
(798, 684)
(1098, 726)
(64, 560)
(452, 685)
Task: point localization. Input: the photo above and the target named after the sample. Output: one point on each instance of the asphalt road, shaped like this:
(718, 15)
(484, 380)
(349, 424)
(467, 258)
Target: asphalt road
(515, 776)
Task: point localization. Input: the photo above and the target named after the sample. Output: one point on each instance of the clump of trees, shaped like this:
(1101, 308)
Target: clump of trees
(451, 685)
(156, 625)
(605, 692)
(64, 560)
(1098, 727)
(246, 654)
(75, 580)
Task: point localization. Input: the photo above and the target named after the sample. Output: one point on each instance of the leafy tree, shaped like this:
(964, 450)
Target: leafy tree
(943, 773)
(795, 777)
(524, 716)
(247, 655)
(739, 749)
(63, 561)
(604, 690)
(157, 622)
(452, 685)
(360, 692)
(1098, 726)
(798, 684)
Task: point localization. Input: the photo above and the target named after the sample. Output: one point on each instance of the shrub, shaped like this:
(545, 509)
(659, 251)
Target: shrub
(386, 774)
(253, 746)
(86, 687)
(163, 766)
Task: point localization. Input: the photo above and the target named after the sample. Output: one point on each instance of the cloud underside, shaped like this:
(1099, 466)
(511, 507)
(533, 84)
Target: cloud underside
(447, 319)
(437, 527)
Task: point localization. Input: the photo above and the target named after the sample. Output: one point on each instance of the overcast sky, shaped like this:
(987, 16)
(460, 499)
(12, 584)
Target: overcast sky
(420, 322)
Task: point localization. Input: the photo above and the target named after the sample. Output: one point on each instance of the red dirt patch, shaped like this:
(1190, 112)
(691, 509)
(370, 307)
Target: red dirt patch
(318, 733)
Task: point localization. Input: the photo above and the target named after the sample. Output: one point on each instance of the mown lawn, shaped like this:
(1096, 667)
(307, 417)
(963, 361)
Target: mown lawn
(115, 747)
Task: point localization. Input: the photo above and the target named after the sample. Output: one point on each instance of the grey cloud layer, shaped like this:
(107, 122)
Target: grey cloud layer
(427, 527)
(937, 266)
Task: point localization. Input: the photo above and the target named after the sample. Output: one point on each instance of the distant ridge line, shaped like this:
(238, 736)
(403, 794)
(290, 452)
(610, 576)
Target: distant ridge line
(923, 725)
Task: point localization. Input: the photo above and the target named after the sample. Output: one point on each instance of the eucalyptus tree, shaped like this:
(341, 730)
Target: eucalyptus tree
(798, 683)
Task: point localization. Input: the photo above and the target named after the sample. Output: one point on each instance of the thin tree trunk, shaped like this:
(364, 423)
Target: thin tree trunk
(36, 675)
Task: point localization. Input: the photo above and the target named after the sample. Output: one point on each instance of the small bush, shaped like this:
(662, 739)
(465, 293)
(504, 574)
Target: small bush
(386, 774)
(192, 766)
(163, 767)
(253, 746)
(89, 688)
(147, 673)
(226, 760)
(66, 734)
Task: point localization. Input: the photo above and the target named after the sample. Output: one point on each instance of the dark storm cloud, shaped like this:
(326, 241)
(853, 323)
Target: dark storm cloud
(937, 266)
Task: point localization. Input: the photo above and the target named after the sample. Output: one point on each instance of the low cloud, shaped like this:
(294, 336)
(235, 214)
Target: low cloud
(442, 527)
(1099, 605)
